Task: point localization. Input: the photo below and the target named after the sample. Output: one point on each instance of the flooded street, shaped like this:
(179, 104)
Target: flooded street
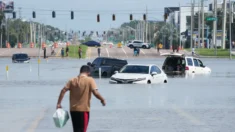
(199, 104)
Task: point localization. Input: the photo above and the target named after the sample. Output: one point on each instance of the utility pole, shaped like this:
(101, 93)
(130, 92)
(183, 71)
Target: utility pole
(203, 21)
(230, 29)
(180, 27)
(192, 23)
(146, 22)
(199, 25)
(224, 23)
(215, 27)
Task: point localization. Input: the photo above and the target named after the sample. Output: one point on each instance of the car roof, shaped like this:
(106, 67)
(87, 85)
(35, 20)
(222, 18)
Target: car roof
(110, 58)
(20, 54)
(141, 65)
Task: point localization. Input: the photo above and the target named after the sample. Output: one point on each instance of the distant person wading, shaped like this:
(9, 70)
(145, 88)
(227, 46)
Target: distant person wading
(98, 50)
(81, 89)
(67, 51)
(80, 52)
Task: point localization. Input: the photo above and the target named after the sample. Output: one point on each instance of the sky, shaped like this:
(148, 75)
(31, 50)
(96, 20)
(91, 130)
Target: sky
(85, 12)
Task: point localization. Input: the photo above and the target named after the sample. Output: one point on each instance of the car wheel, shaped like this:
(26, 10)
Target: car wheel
(144, 47)
(131, 46)
(149, 82)
(104, 74)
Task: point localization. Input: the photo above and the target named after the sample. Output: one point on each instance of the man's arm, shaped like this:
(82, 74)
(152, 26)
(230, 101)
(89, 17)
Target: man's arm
(62, 93)
(98, 96)
(95, 92)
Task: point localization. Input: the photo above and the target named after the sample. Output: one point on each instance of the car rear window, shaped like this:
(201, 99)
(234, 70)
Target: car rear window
(190, 61)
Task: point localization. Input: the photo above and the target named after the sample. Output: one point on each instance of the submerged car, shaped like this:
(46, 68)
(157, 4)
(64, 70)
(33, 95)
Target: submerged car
(180, 65)
(139, 74)
(20, 58)
(107, 65)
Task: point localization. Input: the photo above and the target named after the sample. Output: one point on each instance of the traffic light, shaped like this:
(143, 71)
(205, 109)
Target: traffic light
(113, 17)
(14, 15)
(165, 16)
(72, 15)
(104, 32)
(65, 33)
(144, 17)
(53, 14)
(132, 33)
(120, 32)
(98, 18)
(97, 33)
(131, 17)
(34, 14)
(83, 34)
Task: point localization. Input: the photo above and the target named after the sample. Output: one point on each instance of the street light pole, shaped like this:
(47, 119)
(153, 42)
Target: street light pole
(224, 23)
(230, 29)
(192, 27)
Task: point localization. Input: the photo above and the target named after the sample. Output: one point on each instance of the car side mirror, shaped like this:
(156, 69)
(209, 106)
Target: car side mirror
(115, 72)
(154, 73)
(89, 63)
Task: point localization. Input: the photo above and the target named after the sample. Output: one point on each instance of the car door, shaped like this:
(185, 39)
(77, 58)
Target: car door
(190, 65)
(95, 66)
(155, 78)
(203, 70)
(197, 67)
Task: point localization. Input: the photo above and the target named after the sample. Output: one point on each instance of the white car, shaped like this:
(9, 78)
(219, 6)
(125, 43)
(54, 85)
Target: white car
(139, 74)
(107, 43)
(138, 44)
(179, 64)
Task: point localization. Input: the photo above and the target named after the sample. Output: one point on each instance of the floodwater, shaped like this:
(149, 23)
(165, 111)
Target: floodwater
(200, 104)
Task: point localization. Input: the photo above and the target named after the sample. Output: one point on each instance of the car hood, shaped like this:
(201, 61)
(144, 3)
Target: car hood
(129, 76)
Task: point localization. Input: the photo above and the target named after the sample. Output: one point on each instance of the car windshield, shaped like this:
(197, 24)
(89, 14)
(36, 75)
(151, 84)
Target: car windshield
(21, 56)
(135, 69)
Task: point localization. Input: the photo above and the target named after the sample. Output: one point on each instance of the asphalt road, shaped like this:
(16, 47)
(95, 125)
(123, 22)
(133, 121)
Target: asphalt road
(200, 104)
(115, 52)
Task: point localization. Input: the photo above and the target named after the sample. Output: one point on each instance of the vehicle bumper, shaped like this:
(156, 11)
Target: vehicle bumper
(135, 82)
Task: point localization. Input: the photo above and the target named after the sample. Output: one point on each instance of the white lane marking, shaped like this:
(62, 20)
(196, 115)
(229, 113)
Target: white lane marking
(124, 52)
(107, 51)
(142, 51)
(36, 122)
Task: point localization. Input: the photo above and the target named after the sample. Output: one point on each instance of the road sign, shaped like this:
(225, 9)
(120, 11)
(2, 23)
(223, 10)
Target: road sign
(211, 19)
(39, 61)
(7, 68)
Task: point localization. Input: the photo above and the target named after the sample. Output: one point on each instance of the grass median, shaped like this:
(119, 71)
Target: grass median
(221, 53)
(73, 51)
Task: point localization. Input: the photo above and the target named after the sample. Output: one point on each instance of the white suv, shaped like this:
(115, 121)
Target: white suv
(178, 64)
(138, 44)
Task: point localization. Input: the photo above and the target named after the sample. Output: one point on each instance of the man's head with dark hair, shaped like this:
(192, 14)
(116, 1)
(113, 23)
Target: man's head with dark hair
(85, 69)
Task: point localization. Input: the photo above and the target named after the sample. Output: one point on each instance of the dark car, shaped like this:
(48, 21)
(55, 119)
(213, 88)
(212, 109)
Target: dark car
(20, 58)
(92, 43)
(108, 66)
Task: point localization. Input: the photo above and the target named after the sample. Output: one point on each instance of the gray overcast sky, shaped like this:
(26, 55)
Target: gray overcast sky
(86, 20)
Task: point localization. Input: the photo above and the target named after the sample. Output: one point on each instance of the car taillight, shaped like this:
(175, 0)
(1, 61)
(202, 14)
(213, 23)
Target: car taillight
(186, 68)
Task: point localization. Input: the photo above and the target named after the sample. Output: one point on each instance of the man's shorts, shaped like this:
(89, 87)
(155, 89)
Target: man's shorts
(80, 121)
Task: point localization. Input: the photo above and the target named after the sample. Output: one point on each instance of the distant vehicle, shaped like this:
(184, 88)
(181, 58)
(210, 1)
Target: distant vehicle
(138, 44)
(92, 43)
(139, 74)
(108, 66)
(107, 43)
(20, 58)
(181, 65)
